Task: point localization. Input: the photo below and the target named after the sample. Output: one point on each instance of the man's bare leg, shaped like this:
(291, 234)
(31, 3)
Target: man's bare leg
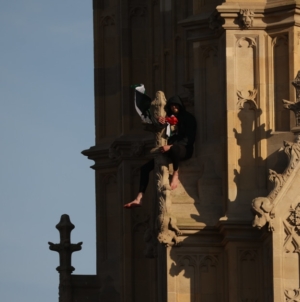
(175, 180)
(135, 203)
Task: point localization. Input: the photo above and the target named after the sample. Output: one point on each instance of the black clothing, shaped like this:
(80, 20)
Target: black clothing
(182, 142)
(176, 154)
(144, 175)
(187, 127)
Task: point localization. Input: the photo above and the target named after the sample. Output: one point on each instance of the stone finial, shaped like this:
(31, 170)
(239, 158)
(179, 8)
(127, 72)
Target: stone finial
(65, 249)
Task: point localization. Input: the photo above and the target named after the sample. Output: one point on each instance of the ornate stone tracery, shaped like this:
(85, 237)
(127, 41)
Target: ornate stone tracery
(291, 241)
(294, 218)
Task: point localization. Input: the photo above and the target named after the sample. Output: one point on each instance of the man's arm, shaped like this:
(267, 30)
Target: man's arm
(187, 133)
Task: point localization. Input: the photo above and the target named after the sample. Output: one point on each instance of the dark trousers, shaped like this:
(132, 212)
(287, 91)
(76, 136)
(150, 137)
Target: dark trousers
(176, 153)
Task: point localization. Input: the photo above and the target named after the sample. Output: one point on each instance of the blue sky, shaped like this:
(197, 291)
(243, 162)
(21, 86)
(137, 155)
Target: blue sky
(46, 120)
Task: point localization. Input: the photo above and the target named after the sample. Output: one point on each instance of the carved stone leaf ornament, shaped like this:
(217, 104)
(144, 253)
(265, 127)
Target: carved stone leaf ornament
(251, 42)
(250, 99)
(292, 295)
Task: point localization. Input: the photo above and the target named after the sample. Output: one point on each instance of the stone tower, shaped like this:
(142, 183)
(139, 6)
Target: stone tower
(232, 62)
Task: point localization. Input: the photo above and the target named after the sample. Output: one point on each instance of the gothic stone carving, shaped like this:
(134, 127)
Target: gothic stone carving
(292, 295)
(65, 249)
(166, 223)
(250, 99)
(292, 230)
(263, 207)
(295, 106)
(296, 84)
(246, 18)
(294, 218)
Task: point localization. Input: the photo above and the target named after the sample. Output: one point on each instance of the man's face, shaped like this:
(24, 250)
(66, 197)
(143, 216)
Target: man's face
(174, 108)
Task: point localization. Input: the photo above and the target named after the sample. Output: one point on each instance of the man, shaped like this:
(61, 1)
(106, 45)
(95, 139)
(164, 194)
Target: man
(179, 147)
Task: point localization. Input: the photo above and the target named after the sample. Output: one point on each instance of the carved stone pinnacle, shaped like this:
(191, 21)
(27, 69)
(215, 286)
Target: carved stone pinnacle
(65, 249)
(167, 230)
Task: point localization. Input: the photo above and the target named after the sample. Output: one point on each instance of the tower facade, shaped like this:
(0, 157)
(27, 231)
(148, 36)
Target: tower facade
(232, 63)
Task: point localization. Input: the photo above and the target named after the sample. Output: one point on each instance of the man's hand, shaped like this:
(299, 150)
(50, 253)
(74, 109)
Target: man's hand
(162, 120)
(164, 149)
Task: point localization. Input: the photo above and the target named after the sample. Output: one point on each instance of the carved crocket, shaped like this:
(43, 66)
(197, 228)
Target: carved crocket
(263, 207)
(166, 224)
(292, 150)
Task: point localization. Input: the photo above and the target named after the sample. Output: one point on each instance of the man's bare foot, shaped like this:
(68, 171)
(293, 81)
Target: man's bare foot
(135, 203)
(175, 180)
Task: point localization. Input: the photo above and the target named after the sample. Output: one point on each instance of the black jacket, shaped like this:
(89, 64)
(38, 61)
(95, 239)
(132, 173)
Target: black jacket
(187, 127)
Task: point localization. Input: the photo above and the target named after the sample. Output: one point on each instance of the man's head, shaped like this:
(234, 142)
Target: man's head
(174, 105)
(174, 108)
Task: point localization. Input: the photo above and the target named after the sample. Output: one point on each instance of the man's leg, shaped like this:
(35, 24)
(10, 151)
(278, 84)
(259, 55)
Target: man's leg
(176, 153)
(144, 180)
